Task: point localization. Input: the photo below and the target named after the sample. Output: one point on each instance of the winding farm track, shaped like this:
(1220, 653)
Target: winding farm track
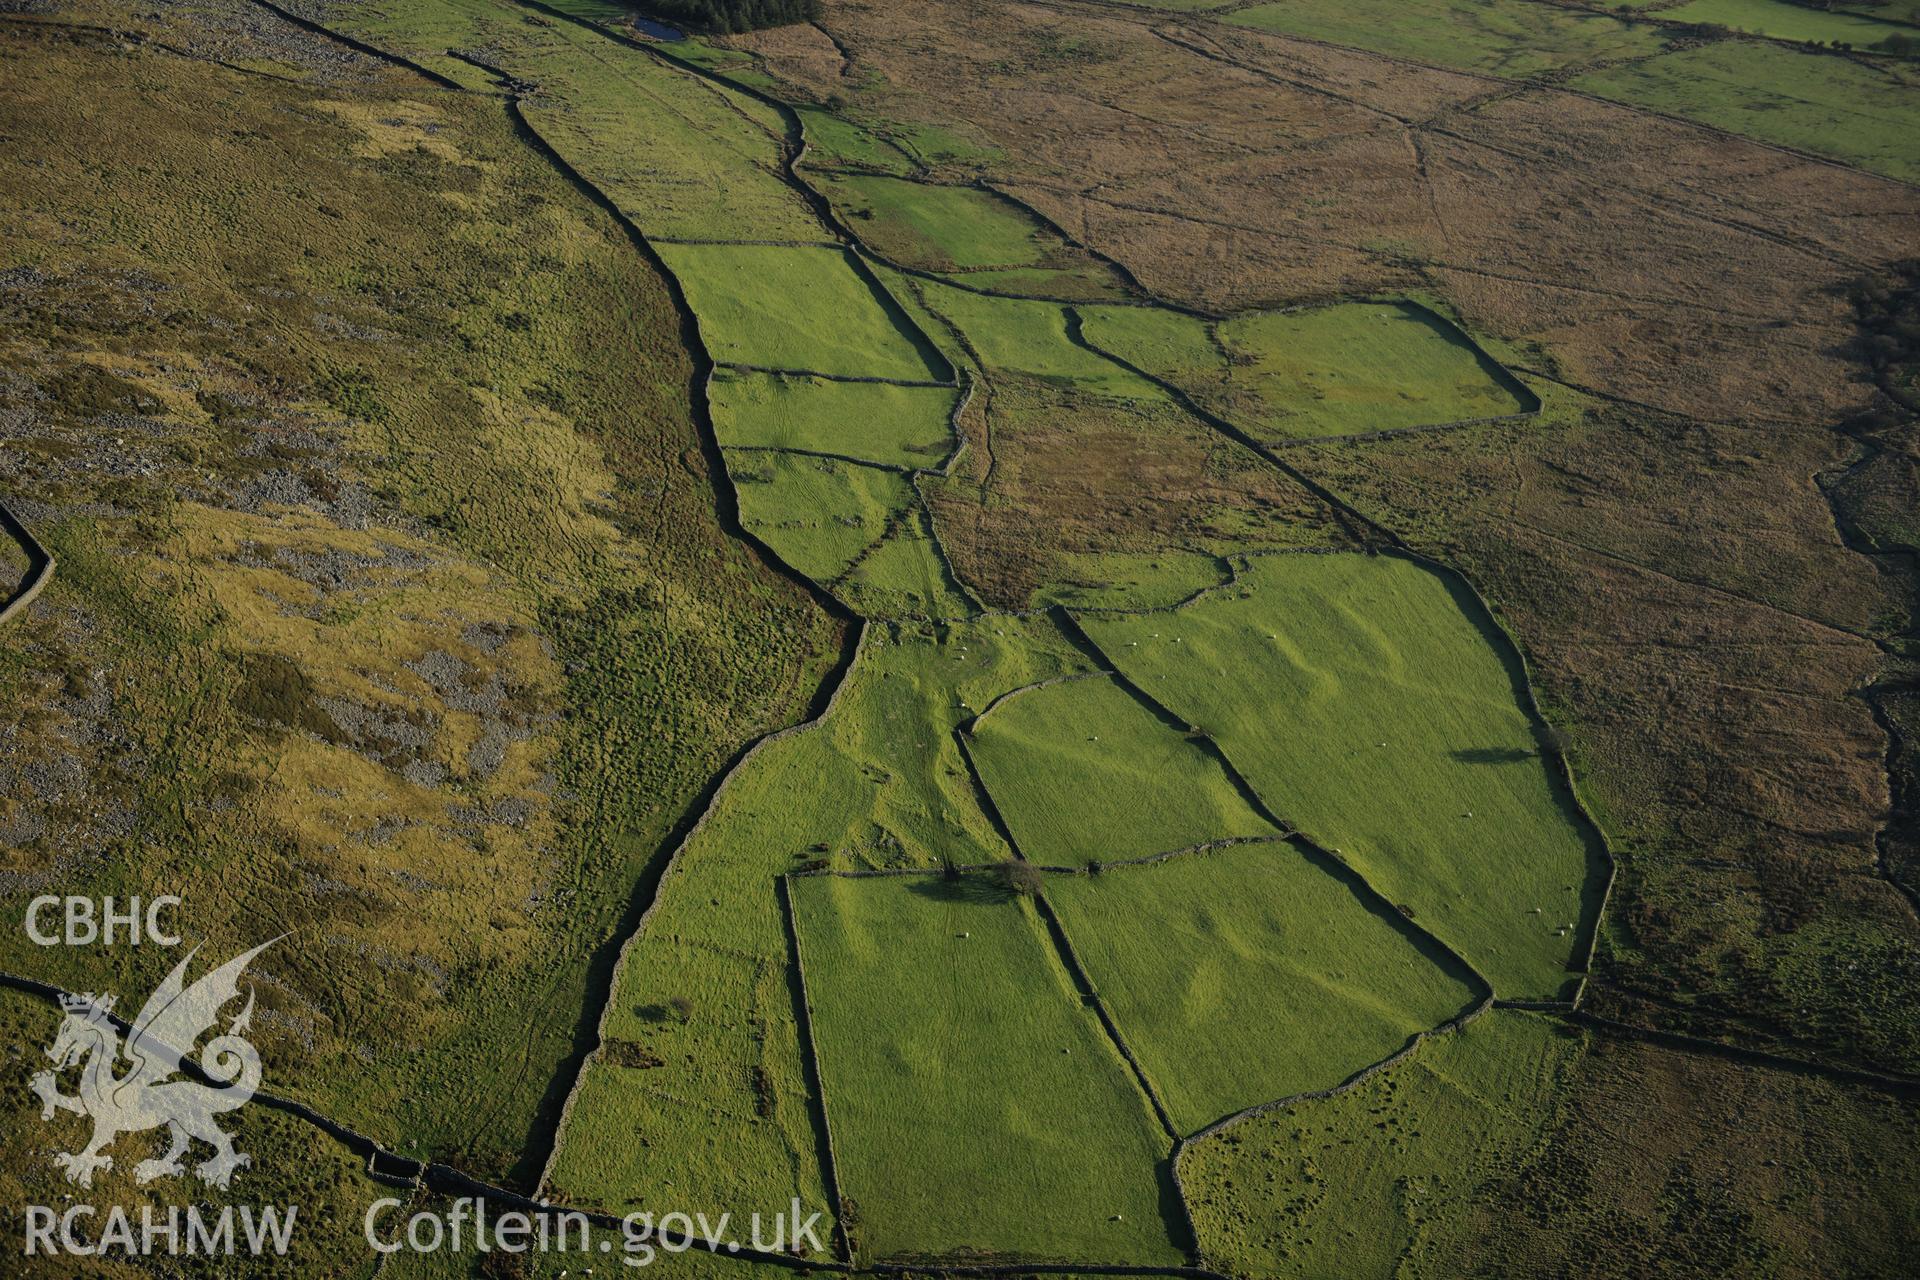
(389, 1166)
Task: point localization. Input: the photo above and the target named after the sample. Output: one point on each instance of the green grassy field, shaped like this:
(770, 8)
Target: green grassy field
(939, 146)
(859, 531)
(833, 140)
(1248, 974)
(804, 309)
(1325, 371)
(1032, 338)
(993, 240)
(1499, 37)
(1083, 773)
(1379, 1181)
(1026, 1136)
(722, 1121)
(817, 513)
(898, 147)
(878, 422)
(1869, 116)
(1788, 21)
(935, 227)
(1169, 344)
(1366, 705)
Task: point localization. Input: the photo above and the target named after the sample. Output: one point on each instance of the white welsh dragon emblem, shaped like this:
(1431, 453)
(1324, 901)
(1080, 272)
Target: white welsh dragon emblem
(146, 1095)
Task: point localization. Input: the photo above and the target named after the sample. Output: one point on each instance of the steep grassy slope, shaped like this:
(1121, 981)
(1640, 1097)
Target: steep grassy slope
(389, 615)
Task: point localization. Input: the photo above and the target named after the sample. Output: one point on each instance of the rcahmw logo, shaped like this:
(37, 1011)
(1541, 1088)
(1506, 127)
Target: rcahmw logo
(150, 1092)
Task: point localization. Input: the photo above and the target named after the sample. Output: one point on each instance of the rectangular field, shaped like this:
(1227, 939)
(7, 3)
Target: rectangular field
(1788, 21)
(700, 1096)
(936, 227)
(808, 310)
(875, 421)
(1128, 579)
(974, 1101)
(1251, 973)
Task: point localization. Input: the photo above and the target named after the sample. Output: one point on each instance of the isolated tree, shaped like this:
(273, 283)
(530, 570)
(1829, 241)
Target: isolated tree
(1023, 878)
